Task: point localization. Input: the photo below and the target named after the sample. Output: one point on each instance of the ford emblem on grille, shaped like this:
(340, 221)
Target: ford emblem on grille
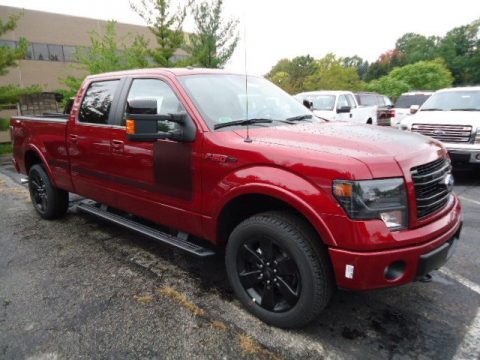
(448, 181)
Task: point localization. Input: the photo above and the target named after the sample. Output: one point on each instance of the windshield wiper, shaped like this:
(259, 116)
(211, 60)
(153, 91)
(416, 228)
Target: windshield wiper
(466, 109)
(242, 122)
(299, 117)
(433, 109)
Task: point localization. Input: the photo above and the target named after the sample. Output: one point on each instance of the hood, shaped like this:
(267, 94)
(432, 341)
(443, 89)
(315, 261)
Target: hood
(378, 148)
(325, 114)
(444, 118)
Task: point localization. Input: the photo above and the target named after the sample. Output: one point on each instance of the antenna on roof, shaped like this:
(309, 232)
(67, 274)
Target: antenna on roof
(247, 139)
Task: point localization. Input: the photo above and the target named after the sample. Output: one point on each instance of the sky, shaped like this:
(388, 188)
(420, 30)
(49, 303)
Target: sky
(284, 29)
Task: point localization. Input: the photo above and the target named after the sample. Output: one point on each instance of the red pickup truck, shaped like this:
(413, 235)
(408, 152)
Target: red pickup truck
(301, 206)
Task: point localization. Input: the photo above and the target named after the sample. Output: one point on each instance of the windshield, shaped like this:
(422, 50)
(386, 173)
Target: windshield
(454, 100)
(405, 101)
(321, 102)
(221, 99)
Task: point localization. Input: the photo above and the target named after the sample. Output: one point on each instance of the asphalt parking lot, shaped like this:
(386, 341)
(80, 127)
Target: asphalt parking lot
(80, 288)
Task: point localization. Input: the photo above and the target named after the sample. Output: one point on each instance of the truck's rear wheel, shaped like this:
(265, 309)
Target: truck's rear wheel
(278, 270)
(49, 201)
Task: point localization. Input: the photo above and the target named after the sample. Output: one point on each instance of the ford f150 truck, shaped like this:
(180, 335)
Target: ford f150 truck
(301, 206)
(339, 105)
(451, 116)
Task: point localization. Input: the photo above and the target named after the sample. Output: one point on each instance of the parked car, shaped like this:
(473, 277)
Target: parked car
(453, 117)
(338, 105)
(300, 205)
(382, 104)
(407, 104)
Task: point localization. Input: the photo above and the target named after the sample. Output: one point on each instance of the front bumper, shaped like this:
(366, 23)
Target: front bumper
(470, 156)
(357, 270)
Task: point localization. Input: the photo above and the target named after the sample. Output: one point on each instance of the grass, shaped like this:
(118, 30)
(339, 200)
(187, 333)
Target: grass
(4, 124)
(173, 293)
(251, 347)
(5, 148)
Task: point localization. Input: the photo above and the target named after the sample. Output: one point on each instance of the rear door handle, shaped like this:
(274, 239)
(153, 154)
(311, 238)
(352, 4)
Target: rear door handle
(117, 145)
(74, 138)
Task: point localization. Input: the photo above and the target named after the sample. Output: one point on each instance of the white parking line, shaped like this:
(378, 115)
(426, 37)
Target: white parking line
(459, 278)
(469, 200)
(470, 346)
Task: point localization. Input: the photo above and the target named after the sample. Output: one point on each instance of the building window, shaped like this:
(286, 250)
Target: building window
(8, 43)
(55, 53)
(69, 53)
(29, 55)
(40, 51)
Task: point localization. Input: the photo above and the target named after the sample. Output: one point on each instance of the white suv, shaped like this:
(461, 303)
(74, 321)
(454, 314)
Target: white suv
(453, 117)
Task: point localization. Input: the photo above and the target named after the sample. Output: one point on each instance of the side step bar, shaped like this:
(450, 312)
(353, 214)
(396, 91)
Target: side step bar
(145, 230)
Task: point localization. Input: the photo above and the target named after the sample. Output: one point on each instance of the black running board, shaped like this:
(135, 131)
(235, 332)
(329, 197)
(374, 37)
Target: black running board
(145, 230)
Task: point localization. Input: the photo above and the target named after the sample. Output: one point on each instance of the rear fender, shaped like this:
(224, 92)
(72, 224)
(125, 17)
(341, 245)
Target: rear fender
(44, 162)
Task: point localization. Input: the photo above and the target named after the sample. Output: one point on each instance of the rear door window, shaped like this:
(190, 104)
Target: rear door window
(97, 102)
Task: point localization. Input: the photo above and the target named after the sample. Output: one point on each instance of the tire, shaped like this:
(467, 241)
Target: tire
(49, 201)
(278, 269)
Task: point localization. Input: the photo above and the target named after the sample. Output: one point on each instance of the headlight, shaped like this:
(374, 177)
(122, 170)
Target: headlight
(384, 199)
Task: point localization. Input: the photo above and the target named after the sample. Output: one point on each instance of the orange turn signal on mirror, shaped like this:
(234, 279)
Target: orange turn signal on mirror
(130, 126)
(343, 189)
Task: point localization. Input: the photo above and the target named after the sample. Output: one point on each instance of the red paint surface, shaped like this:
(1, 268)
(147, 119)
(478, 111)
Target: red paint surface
(295, 164)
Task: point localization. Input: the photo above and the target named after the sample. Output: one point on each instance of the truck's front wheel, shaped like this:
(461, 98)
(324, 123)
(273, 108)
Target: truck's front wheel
(49, 201)
(278, 269)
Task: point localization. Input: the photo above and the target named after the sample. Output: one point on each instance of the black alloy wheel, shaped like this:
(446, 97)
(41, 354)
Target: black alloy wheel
(269, 275)
(279, 268)
(49, 202)
(39, 193)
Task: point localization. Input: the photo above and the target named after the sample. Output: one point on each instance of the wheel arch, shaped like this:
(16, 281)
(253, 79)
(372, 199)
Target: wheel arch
(34, 156)
(247, 204)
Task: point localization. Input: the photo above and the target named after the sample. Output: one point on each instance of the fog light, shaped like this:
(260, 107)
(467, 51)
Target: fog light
(478, 156)
(395, 270)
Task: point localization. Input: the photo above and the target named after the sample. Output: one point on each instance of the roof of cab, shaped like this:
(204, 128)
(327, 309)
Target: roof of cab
(162, 71)
(463, 88)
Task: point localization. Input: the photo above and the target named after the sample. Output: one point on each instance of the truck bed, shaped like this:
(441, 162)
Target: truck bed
(44, 135)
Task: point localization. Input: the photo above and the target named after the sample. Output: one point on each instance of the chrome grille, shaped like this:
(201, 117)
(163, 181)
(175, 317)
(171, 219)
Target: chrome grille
(431, 192)
(445, 133)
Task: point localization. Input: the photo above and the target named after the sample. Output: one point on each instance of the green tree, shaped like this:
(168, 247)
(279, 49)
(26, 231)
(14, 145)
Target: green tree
(461, 50)
(357, 63)
(423, 75)
(290, 75)
(416, 47)
(388, 86)
(331, 74)
(166, 24)
(215, 39)
(281, 66)
(385, 63)
(10, 94)
(9, 56)
(107, 53)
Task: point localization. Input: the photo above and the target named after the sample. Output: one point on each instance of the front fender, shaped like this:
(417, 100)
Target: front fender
(307, 198)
